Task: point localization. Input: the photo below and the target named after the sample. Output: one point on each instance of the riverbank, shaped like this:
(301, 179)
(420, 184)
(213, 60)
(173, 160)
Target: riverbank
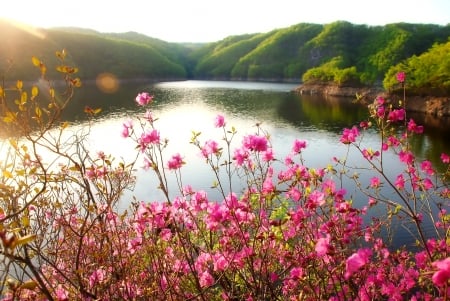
(430, 105)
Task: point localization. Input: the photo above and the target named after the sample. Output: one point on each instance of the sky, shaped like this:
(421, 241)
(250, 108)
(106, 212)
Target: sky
(213, 20)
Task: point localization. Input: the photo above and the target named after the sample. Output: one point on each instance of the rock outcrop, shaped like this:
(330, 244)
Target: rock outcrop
(430, 105)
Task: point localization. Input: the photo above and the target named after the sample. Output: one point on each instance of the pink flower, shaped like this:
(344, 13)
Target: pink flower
(298, 146)
(149, 137)
(97, 276)
(175, 162)
(296, 273)
(356, 261)
(381, 110)
(396, 115)
(206, 279)
(401, 76)
(364, 125)
(210, 147)
(400, 182)
(349, 135)
(323, 245)
(219, 122)
(406, 157)
(413, 127)
(380, 101)
(239, 156)
(427, 184)
(268, 155)
(61, 294)
(445, 158)
(255, 143)
(375, 182)
(393, 141)
(317, 198)
(126, 126)
(442, 275)
(427, 167)
(370, 153)
(220, 263)
(149, 116)
(144, 98)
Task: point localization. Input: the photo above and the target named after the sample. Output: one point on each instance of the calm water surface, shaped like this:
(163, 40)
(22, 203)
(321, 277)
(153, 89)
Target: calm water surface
(186, 106)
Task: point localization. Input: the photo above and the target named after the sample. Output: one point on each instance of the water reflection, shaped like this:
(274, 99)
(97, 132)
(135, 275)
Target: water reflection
(186, 106)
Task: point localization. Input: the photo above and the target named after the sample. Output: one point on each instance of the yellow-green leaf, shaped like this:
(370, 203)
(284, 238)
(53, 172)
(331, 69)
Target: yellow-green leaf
(43, 69)
(76, 82)
(52, 93)
(34, 91)
(19, 84)
(38, 112)
(36, 61)
(23, 98)
(61, 54)
(29, 285)
(7, 174)
(25, 221)
(25, 239)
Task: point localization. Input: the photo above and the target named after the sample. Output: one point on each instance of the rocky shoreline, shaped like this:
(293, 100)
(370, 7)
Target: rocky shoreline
(430, 105)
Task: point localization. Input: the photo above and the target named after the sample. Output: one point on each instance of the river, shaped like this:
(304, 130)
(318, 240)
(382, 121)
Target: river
(186, 106)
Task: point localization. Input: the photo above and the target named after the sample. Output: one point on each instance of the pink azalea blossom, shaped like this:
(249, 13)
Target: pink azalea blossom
(364, 125)
(175, 162)
(442, 276)
(370, 153)
(206, 279)
(427, 167)
(401, 76)
(268, 155)
(149, 116)
(126, 127)
(144, 98)
(356, 261)
(219, 121)
(210, 147)
(220, 263)
(380, 101)
(349, 135)
(255, 143)
(413, 127)
(296, 273)
(298, 146)
(445, 158)
(427, 184)
(149, 137)
(374, 182)
(381, 111)
(98, 276)
(396, 115)
(406, 157)
(317, 198)
(400, 182)
(393, 141)
(323, 245)
(61, 294)
(239, 156)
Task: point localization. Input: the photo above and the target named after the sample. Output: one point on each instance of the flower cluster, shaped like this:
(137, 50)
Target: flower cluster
(290, 234)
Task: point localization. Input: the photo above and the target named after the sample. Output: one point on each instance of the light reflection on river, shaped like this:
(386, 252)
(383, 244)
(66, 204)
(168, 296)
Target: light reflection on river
(183, 107)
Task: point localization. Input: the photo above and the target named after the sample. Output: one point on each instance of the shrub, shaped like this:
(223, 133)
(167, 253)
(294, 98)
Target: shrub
(290, 234)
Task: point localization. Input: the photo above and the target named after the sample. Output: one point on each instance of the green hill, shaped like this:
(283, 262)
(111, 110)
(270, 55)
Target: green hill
(339, 52)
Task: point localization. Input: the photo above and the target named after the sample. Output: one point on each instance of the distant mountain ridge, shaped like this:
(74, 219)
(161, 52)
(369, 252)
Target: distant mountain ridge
(339, 51)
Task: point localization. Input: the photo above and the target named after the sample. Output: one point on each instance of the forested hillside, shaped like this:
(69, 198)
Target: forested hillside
(341, 53)
(93, 53)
